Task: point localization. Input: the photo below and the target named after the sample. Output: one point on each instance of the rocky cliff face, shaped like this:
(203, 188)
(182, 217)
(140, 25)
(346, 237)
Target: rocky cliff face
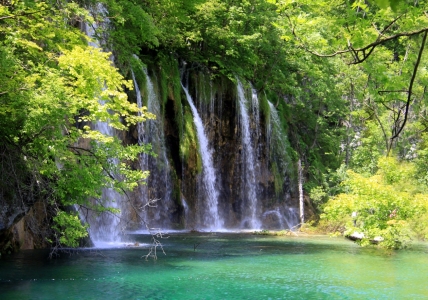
(20, 195)
(252, 183)
(217, 102)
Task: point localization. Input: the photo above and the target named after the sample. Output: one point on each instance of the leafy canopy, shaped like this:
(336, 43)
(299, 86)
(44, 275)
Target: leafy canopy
(53, 86)
(388, 205)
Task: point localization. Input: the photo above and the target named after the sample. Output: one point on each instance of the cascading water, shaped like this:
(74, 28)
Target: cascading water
(248, 197)
(255, 112)
(104, 228)
(140, 126)
(249, 180)
(211, 219)
(291, 216)
(261, 202)
(277, 144)
(277, 214)
(255, 109)
(186, 209)
(277, 140)
(157, 202)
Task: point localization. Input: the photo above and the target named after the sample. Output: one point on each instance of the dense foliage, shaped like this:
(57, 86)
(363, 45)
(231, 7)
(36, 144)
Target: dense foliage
(347, 77)
(381, 48)
(390, 205)
(53, 85)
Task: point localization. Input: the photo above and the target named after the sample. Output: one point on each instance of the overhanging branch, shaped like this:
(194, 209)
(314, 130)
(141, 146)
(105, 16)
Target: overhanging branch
(362, 53)
(23, 14)
(412, 80)
(366, 50)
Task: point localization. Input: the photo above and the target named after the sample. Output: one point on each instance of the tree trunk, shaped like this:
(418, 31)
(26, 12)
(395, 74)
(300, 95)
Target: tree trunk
(301, 199)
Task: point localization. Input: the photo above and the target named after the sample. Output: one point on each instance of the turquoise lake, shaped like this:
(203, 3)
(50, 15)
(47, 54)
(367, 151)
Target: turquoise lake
(220, 266)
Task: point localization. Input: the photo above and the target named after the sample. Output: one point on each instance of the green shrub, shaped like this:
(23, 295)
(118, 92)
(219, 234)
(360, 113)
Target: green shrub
(387, 205)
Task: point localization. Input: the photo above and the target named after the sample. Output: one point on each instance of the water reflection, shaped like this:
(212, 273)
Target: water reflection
(221, 266)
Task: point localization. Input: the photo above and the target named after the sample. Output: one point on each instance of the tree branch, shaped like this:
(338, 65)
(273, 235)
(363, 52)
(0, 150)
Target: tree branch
(390, 24)
(412, 80)
(22, 15)
(391, 91)
(363, 50)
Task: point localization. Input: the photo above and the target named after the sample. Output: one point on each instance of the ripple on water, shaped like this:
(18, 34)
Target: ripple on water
(225, 266)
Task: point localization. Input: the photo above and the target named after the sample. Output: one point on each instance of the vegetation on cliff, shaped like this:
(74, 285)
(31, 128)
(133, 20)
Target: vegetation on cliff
(379, 47)
(53, 85)
(348, 79)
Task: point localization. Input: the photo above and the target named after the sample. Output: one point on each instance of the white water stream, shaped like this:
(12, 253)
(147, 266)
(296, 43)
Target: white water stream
(212, 219)
(252, 217)
(277, 140)
(104, 228)
(152, 131)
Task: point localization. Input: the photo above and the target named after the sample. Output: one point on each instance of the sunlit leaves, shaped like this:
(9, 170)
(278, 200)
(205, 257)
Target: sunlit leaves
(389, 3)
(53, 86)
(133, 27)
(98, 87)
(69, 229)
(386, 204)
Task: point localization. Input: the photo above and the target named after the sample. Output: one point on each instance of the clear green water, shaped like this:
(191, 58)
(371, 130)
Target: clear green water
(224, 266)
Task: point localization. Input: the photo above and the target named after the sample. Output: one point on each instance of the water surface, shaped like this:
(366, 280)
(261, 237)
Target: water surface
(221, 266)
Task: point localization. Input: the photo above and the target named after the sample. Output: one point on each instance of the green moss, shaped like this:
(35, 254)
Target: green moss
(203, 86)
(281, 153)
(137, 68)
(169, 86)
(264, 106)
(163, 84)
(273, 232)
(178, 106)
(278, 179)
(189, 147)
(176, 192)
(284, 115)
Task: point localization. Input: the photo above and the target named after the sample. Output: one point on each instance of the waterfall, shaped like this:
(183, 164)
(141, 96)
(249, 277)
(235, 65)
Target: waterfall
(277, 214)
(277, 144)
(277, 140)
(255, 112)
(186, 210)
(212, 218)
(89, 30)
(292, 217)
(156, 201)
(140, 127)
(255, 108)
(252, 190)
(104, 228)
(249, 180)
